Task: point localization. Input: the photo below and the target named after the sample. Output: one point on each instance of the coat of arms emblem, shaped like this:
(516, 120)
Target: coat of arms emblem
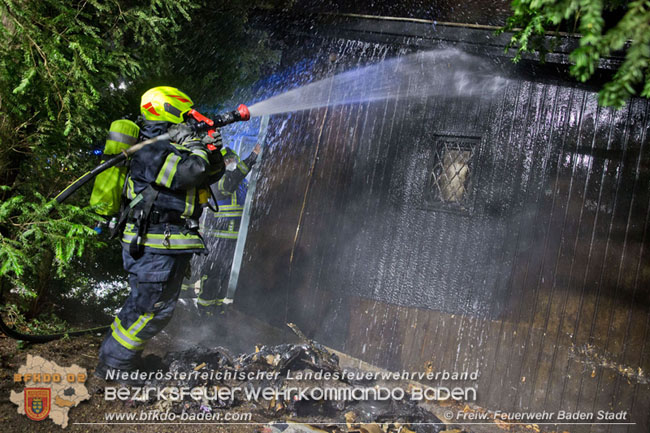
(37, 403)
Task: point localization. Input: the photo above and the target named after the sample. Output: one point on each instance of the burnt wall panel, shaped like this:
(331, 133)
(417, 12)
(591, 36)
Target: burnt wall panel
(538, 279)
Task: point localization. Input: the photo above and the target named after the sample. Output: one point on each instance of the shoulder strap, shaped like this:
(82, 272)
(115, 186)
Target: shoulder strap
(148, 197)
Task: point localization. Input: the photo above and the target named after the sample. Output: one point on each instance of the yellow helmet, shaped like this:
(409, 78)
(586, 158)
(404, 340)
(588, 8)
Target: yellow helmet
(166, 104)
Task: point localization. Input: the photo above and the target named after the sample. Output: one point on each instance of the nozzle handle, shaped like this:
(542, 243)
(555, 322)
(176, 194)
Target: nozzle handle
(200, 122)
(241, 113)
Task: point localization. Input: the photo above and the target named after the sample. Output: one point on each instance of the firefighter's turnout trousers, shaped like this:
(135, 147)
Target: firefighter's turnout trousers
(155, 281)
(216, 270)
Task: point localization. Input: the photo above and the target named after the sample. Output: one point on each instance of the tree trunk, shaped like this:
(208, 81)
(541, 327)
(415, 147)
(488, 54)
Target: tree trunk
(42, 284)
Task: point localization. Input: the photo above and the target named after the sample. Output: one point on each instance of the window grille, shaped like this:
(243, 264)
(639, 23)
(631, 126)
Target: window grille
(450, 179)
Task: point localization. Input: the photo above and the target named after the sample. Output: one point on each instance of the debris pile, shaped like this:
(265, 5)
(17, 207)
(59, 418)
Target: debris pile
(593, 359)
(288, 368)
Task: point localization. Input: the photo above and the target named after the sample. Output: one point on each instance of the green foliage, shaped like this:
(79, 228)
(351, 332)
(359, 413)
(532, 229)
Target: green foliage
(67, 229)
(59, 59)
(67, 69)
(532, 19)
(61, 66)
(46, 324)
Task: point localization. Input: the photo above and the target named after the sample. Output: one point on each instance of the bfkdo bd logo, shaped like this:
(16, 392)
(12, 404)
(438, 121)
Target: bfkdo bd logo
(37, 403)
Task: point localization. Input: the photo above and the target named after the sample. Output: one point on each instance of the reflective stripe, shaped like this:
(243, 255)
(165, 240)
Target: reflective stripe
(139, 324)
(233, 209)
(226, 235)
(128, 337)
(231, 214)
(176, 241)
(168, 170)
(124, 341)
(181, 147)
(123, 337)
(121, 138)
(221, 188)
(243, 167)
(196, 285)
(118, 323)
(122, 134)
(223, 234)
(230, 233)
(190, 198)
(208, 302)
(233, 204)
(201, 154)
(130, 188)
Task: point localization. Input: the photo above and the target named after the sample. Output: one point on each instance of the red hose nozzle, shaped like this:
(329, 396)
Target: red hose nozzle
(243, 112)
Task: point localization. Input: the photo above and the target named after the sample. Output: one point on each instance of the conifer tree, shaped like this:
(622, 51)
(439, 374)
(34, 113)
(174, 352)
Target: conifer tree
(67, 69)
(603, 27)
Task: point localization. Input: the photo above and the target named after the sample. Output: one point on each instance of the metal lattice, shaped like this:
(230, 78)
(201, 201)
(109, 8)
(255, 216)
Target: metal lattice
(450, 180)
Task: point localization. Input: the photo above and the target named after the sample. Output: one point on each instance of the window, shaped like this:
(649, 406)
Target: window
(450, 179)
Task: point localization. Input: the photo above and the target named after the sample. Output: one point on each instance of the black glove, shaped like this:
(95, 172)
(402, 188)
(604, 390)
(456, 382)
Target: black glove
(216, 140)
(215, 158)
(195, 143)
(180, 133)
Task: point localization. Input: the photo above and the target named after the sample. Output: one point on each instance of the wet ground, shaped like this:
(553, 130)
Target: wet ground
(195, 348)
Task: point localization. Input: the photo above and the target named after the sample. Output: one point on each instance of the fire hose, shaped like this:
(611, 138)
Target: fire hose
(199, 124)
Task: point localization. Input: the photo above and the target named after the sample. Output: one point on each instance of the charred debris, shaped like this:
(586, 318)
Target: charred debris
(306, 365)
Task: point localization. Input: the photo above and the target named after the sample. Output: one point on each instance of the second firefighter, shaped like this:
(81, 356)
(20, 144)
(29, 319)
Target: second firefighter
(220, 230)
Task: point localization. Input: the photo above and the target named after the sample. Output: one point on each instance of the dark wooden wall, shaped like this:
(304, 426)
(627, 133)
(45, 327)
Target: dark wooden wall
(543, 285)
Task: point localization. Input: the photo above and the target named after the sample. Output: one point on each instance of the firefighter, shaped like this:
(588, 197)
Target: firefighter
(160, 232)
(221, 230)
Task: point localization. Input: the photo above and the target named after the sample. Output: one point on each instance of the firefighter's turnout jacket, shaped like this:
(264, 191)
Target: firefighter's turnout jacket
(230, 193)
(162, 185)
(174, 173)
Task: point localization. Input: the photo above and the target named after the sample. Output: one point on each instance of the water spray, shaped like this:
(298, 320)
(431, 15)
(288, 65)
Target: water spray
(444, 73)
